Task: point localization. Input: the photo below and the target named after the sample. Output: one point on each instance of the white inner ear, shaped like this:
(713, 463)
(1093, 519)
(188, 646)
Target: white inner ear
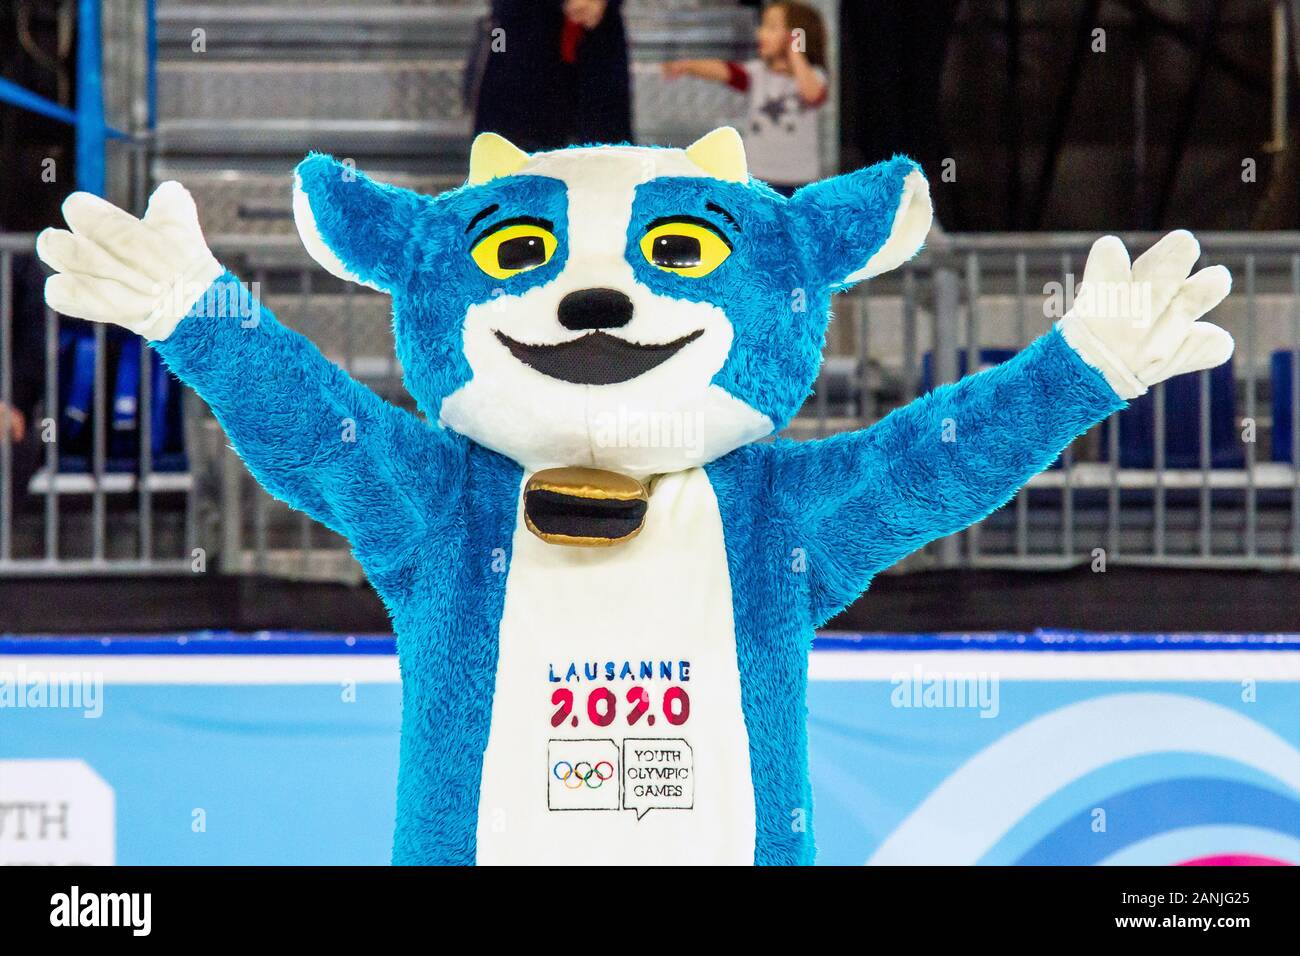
(911, 224)
(305, 220)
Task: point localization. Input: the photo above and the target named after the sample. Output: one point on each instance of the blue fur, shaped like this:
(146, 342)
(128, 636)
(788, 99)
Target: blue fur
(842, 221)
(426, 265)
(808, 524)
(778, 316)
(431, 515)
(869, 498)
(287, 409)
(446, 601)
(788, 256)
(368, 225)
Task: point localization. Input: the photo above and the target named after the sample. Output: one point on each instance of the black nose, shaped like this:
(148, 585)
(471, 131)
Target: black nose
(595, 309)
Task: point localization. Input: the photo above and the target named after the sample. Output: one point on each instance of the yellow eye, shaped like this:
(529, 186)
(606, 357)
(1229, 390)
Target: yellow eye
(684, 247)
(513, 249)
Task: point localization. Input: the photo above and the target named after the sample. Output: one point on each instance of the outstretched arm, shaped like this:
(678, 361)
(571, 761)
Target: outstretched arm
(863, 500)
(313, 436)
(719, 71)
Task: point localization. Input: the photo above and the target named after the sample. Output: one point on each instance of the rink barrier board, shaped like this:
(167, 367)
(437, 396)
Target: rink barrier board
(1186, 747)
(306, 642)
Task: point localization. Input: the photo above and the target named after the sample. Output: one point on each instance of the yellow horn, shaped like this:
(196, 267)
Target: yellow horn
(721, 154)
(492, 156)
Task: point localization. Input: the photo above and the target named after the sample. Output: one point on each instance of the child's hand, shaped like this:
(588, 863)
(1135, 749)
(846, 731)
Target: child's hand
(675, 68)
(585, 13)
(811, 87)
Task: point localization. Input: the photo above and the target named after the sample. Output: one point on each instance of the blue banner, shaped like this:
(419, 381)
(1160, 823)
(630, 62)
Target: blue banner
(956, 749)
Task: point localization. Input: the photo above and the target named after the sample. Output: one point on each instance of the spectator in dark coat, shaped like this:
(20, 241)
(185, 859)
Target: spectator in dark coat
(562, 77)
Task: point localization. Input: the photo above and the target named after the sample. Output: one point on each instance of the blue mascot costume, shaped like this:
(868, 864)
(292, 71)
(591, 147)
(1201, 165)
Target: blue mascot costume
(603, 581)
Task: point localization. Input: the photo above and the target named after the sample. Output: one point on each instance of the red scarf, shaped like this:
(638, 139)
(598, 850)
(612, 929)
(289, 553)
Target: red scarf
(569, 40)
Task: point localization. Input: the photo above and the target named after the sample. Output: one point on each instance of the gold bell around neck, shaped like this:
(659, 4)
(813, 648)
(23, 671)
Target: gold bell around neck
(585, 507)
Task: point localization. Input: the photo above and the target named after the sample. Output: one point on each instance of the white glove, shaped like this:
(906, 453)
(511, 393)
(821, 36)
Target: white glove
(141, 274)
(1137, 325)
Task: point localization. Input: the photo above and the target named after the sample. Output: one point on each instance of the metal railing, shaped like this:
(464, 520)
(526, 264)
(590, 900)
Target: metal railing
(92, 520)
(967, 301)
(1219, 502)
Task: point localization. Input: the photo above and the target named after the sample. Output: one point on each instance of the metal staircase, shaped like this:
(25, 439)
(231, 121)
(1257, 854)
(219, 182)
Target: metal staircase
(246, 89)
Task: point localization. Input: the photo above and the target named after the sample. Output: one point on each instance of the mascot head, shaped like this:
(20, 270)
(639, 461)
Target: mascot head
(638, 310)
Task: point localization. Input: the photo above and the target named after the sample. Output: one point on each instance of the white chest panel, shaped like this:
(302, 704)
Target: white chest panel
(617, 732)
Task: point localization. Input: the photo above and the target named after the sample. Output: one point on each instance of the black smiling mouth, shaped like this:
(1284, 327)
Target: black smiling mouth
(595, 359)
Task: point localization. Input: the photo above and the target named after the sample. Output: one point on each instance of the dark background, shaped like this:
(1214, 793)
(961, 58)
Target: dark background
(1043, 136)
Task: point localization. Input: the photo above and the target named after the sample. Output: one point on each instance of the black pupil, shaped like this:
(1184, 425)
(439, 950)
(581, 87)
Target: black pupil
(521, 252)
(677, 252)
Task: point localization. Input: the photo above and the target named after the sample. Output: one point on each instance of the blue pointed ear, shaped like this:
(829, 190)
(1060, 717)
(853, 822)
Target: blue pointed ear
(356, 228)
(863, 223)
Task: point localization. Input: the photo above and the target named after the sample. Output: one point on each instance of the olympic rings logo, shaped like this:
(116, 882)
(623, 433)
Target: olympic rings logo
(565, 771)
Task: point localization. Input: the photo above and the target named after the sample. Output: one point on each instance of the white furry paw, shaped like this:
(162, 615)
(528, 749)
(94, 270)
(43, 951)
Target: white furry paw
(1137, 324)
(142, 274)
